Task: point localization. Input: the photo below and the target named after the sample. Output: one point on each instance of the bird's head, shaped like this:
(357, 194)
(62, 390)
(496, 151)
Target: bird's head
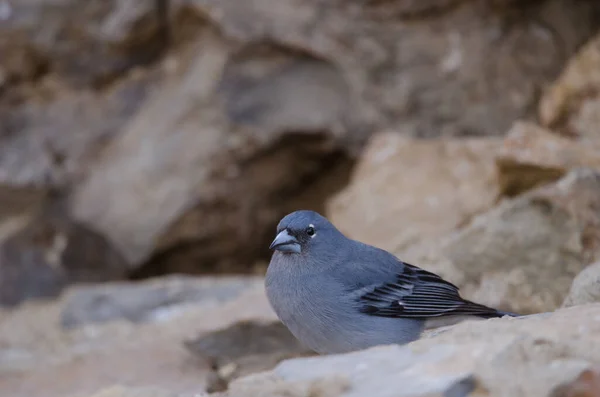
(302, 231)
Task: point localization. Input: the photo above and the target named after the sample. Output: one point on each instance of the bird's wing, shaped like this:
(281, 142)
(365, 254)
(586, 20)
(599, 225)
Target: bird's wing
(419, 294)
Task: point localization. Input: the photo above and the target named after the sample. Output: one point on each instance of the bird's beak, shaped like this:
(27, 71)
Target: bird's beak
(285, 242)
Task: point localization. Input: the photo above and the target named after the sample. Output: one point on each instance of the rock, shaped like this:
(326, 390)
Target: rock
(585, 287)
(403, 73)
(40, 358)
(50, 251)
(152, 300)
(18, 204)
(538, 355)
(34, 149)
(587, 384)
(424, 189)
(523, 255)
(572, 105)
(495, 358)
(56, 63)
(120, 391)
(534, 156)
(221, 192)
(202, 122)
(244, 348)
(115, 37)
(86, 72)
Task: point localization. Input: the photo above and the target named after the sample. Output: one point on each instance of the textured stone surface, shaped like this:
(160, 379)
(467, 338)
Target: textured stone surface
(229, 181)
(39, 358)
(534, 356)
(200, 344)
(147, 301)
(523, 254)
(405, 71)
(182, 130)
(404, 191)
(121, 391)
(184, 135)
(243, 348)
(48, 251)
(85, 43)
(572, 104)
(585, 287)
(533, 156)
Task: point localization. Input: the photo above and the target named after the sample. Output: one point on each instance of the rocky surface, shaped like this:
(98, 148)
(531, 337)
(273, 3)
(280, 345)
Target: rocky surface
(510, 221)
(46, 249)
(40, 357)
(147, 301)
(585, 287)
(425, 189)
(139, 139)
(121, 391)
(523, 254)
(572, 104)
(540, 356)
(243, 348)
(222, 344)
(533, 156)
(194, 125)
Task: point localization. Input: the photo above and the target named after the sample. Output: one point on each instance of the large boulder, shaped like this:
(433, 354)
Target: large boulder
(523, 254)
(210, 180)
(405, 191)
(511, 221)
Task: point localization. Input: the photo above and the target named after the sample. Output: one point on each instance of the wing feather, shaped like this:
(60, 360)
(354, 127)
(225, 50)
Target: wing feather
(419, 294)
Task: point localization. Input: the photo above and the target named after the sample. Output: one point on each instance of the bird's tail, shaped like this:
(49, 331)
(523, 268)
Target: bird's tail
(502, 314)
(483, 311)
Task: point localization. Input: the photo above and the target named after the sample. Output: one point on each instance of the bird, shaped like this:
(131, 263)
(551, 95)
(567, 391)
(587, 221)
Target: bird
(338, 295)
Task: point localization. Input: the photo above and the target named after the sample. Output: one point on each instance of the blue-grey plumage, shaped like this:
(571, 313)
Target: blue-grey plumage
(338, 295)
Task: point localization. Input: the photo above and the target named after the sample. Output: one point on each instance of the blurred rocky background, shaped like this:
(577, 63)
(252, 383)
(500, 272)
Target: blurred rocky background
(149, 148)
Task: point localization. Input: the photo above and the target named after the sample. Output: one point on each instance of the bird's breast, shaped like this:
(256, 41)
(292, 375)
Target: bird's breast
(312, 310)
(291, 297)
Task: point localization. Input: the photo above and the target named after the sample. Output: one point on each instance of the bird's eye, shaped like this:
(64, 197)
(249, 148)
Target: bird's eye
(310, 231)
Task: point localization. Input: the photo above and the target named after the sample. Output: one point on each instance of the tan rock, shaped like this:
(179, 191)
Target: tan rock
(184, 135)
(585, 287)
(572, 104)
(164, 184)
(534, 357)
(39, 358)
(149, 300)
(587, 384)
(112, 28)
(524, 254)
(405, 191)
(533, 156)
(424, 78)
(121, 391)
